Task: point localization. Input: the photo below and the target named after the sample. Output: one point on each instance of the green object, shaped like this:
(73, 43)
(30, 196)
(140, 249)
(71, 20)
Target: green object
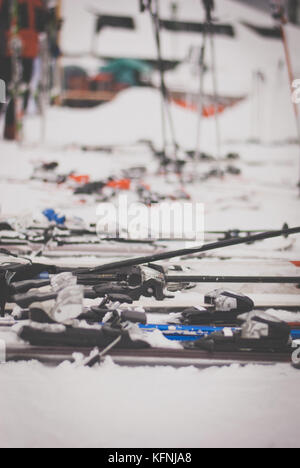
(126, 70)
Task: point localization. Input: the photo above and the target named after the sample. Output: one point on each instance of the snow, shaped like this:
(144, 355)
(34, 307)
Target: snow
(111, 406)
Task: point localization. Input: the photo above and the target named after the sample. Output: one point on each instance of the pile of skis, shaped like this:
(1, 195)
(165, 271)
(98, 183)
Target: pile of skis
(53, 234)
(58, 312)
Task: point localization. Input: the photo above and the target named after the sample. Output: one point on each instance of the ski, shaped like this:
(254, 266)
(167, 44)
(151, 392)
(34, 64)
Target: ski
(193, 333)
(147, 281)
(175, 332)
(64, 230)
(144, 282)
(146, 357)
(259, 333)
(220, 308)
(168, 255)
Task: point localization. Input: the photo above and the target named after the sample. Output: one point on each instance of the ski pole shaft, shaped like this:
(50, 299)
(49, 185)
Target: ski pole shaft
(96, 359)
(215, 92)
(200, 99)
(194, 250)
(233, 279)
(166, 111)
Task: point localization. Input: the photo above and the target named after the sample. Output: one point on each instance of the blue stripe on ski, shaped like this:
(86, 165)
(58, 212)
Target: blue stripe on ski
(43, 276)
(192, 332)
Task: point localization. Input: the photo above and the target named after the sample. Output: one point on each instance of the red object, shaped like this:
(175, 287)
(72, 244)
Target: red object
(208, 111)
(122, 184)
(297, 264)
(29, 34)
(80, 179)
(103, 78)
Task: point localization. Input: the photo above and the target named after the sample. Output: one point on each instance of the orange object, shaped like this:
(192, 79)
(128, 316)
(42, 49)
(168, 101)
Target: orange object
(146, 186)
(80, 179)
(296, 263)
(208, 111)
(122, 184)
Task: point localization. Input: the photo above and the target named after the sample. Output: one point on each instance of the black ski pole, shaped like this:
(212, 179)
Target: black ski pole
(200, 100)
(98, 357)
(209, 6)
(154, 11)
(193, 250)
(233, 279)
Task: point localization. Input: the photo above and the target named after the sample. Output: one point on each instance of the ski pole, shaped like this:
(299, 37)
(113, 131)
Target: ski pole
(44, 83)
(97, 358)
(154, 11)
(209, 7)
(200, 101)
(215, 88)
(65, 233)
(193, 250)
(233, 279)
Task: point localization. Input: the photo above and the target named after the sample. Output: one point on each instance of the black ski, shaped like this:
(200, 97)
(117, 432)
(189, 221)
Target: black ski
(149, 357)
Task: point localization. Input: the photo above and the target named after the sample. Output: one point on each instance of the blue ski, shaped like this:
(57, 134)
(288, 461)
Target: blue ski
(192, 333)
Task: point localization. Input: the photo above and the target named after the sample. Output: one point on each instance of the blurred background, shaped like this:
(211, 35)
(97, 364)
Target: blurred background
(218, 87)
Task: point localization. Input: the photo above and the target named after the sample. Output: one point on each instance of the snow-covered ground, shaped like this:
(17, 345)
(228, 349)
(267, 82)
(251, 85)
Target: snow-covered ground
(112, 407)
(255, 406)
